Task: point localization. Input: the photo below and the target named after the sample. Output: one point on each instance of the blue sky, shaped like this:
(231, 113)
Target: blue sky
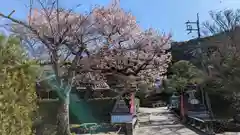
(164, 15)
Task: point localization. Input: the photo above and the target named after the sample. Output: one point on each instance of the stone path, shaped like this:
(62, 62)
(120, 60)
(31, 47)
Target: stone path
(159, 121)
(229, 133)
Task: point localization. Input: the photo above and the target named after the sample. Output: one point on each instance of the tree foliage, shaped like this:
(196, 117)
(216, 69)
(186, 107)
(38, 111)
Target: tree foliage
(224, 60)
(222, 21)
(183, 74)
(109, 36)
(17, 94)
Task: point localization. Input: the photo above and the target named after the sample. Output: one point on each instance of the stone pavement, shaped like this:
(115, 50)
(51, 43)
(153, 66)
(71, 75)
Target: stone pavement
(229, 133)
(159, 121)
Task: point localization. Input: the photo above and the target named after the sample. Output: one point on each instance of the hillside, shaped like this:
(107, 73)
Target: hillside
(185, 50)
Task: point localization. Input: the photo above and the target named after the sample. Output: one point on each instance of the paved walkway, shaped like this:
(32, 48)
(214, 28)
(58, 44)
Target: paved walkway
(159, 121)
(229, 133)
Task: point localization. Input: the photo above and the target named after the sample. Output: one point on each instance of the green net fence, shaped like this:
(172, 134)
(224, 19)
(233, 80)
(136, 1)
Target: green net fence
(86, 114)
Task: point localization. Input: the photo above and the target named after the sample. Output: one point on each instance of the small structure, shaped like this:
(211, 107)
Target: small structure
(121, 113)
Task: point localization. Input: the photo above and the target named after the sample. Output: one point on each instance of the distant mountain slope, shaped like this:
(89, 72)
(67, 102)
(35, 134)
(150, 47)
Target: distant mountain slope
(185, 50)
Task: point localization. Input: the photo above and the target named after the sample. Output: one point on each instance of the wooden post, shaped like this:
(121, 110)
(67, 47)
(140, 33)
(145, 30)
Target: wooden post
(183, 108)
(182, 104)
(129, 129)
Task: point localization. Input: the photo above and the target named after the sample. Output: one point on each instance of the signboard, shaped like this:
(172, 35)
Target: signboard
(121, 113)
(118, 118)
(121, 107)
(158, 84)
(194, 101)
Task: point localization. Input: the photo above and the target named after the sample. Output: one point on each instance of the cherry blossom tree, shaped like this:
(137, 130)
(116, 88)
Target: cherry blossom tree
(105, 42)
(126, 49)
(61, 33)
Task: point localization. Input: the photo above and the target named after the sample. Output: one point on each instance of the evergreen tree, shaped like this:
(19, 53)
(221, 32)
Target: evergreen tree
(183, 74)
(17, 91)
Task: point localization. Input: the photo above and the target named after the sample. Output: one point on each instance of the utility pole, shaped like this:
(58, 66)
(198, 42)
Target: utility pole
(190, 28)
(196, 28)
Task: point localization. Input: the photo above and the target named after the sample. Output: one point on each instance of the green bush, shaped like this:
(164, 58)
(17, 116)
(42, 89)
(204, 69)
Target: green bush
(17, 91)
(183, 74)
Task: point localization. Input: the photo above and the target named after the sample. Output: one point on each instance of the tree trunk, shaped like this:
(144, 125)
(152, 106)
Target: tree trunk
(39, 129)
(63, 110)
(63, 118)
